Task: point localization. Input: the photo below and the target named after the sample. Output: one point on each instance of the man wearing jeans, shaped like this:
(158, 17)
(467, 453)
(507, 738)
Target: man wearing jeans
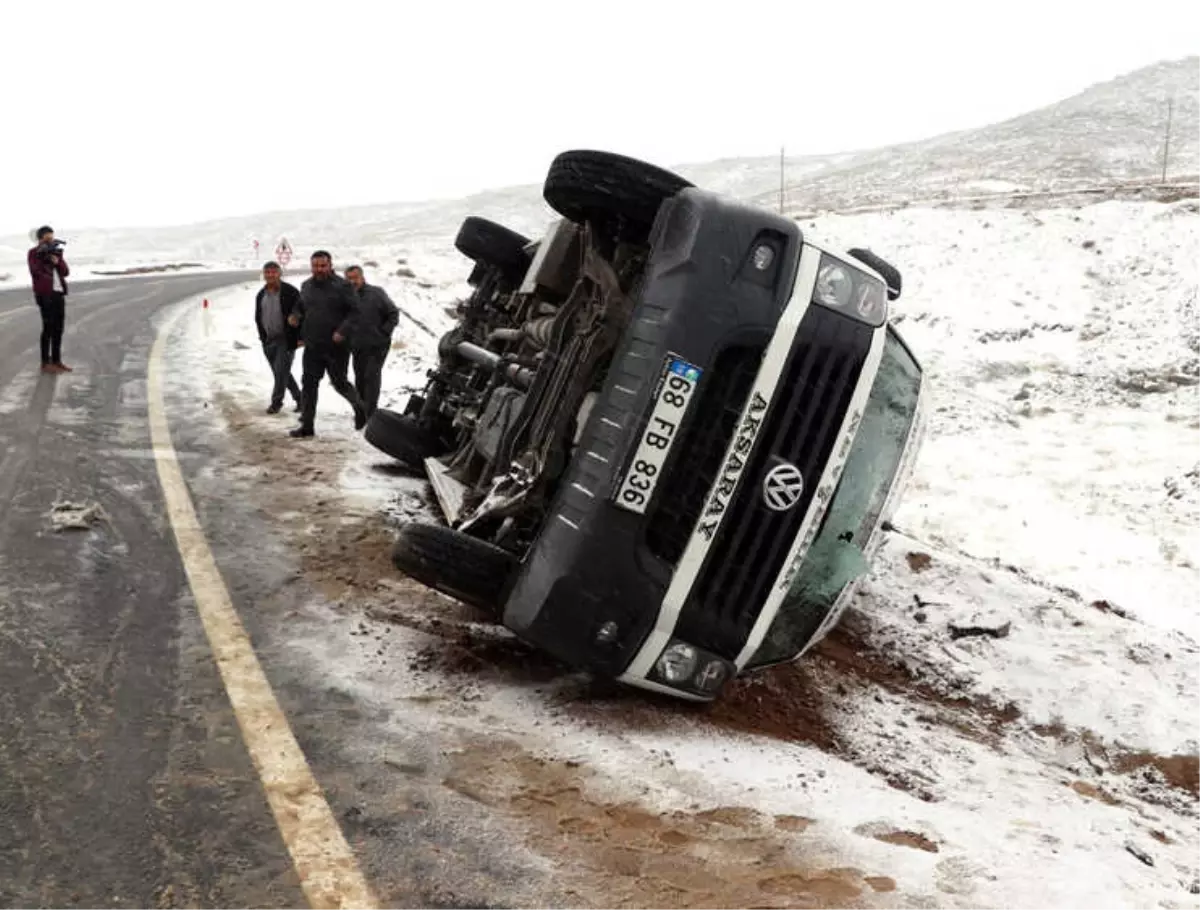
(272, 306)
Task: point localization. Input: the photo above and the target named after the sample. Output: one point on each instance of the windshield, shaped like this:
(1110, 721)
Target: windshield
(836, 557)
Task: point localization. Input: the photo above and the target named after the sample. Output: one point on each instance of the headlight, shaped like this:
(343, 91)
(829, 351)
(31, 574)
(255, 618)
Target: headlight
(692, 669)
(677, 663)
(711, 676)
(834, 284)
(850, 291)
(869, 302)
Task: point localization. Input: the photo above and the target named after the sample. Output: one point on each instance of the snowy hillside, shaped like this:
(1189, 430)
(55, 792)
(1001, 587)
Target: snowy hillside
(1110, 132)
(364, 232)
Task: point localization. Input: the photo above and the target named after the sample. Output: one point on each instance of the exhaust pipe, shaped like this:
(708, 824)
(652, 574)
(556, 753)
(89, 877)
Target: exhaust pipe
(520, 376)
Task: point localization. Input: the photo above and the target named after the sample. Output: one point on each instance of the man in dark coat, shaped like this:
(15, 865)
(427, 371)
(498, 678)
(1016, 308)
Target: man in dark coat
(377, 319)
(273, 304)
(325, 314)
(49, 271)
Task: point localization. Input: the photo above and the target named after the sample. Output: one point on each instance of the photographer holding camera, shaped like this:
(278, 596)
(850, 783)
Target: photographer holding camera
(49, 270)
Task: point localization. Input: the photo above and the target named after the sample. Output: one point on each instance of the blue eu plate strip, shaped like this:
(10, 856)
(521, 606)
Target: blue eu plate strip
(685, 369)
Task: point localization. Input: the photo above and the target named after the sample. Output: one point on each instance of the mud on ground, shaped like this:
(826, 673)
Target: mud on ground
(722, 857)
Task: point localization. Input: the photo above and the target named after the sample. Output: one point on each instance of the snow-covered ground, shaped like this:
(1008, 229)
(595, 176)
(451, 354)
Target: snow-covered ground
(1055, 503)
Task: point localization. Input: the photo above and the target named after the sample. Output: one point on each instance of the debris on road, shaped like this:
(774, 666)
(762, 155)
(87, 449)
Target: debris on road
(1139, 853)
(75, 516)
(962, 631)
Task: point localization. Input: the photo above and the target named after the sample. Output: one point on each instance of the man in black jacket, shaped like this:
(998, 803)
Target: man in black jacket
(377, 319)
(325, 314)
(272, 306)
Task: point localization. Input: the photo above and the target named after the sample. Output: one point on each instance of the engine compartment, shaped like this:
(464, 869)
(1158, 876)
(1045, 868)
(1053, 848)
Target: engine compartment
(516, 376)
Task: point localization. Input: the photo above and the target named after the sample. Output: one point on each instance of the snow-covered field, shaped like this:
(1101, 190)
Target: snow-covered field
(1055, 503)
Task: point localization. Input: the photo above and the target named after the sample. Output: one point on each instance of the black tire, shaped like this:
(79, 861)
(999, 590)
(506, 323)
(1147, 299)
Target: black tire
(400, 436)
(610, 190)
(493, 244)
(459, 565)
(888, 272)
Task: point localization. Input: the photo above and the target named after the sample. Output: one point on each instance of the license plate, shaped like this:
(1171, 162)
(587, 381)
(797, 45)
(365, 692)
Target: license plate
(676, 388)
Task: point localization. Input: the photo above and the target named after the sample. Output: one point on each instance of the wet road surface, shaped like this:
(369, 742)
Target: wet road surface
(123, 779)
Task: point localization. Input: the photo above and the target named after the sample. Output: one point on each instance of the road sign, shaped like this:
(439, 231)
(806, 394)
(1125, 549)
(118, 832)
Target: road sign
(283, 252)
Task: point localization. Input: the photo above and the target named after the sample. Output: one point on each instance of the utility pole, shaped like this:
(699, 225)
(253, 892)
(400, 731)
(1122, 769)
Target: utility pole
(781, 180)
(1167, 138)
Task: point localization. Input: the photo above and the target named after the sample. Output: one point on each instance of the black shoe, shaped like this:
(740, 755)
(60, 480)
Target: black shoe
(360, 419)
(274, 409)
(302, 432)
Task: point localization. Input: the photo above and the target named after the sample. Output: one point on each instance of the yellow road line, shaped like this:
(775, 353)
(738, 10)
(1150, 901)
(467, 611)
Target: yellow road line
(327, 868)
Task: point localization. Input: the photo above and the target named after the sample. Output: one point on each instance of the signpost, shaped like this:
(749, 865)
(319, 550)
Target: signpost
(283, 252)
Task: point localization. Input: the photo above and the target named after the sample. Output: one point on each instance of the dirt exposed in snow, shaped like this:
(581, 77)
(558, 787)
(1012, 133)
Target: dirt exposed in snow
(341, 552)
(629, 856)
(913, 839)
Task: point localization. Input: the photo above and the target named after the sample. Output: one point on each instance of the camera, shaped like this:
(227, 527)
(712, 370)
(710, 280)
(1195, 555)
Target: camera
(53, 248)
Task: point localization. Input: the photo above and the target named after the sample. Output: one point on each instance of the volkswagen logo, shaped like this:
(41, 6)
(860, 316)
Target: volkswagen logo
(782, 486)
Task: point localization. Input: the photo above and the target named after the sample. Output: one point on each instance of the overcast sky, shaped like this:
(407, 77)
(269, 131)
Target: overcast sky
(141, 113)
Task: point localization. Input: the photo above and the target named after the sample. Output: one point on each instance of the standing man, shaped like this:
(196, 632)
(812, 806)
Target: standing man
(377, 319)
(272, 306)
(49, 271)
(325, 314)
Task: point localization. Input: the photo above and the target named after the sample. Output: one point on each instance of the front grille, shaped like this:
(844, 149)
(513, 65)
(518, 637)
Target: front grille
(801, 427)
(700, 448)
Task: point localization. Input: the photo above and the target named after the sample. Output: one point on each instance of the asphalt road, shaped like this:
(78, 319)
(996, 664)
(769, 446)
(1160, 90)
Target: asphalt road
(123, 779)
